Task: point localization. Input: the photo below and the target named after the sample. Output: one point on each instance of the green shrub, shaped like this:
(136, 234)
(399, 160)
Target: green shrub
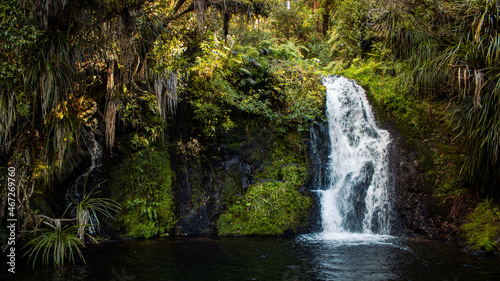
(142, 183)
(57, 243)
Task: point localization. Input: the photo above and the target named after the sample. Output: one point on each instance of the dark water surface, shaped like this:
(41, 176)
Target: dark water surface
(271, 258)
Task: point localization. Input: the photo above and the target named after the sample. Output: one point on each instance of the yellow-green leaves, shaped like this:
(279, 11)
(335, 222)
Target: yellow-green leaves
(167, 53)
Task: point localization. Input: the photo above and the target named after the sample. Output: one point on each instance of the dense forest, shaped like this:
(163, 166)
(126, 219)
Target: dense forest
(167, 87)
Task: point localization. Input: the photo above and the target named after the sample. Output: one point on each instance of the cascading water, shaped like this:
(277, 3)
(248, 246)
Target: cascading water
(74, 193)
(95, 151)
(356, 198)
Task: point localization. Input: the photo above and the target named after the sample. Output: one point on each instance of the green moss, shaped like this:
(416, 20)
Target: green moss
(274, 204)
(268, 208)
(382, 90)
(483, 229)
(142, 183)
(231, 187)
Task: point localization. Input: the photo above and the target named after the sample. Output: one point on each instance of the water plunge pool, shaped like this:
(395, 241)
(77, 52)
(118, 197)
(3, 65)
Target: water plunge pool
(306, 257)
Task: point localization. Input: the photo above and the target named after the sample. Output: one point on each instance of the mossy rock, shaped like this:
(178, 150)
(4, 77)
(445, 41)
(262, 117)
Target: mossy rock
(270, 207)
(142, 183)
(483, 228)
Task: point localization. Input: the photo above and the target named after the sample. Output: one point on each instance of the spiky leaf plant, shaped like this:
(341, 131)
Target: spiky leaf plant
(88, 207)
(57, 243)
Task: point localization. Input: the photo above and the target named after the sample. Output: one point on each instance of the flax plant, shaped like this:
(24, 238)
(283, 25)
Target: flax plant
(87, 209)
(61, 238)
(479, 121)
(451, 50)
(56, 242)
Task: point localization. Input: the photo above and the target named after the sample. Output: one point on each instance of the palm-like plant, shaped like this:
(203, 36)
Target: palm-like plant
(454, 50)
(87, 209)
(481, 129)
(62, 238)
(57, 242)
(479, 121)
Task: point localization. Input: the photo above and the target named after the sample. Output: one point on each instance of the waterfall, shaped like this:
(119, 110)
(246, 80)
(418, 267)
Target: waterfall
(74, 193)
(356, 198)
(95, 151)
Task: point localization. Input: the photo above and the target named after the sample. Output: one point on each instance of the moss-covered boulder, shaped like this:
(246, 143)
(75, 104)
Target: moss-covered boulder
(142, 183)
(269, 207)
(482, 230)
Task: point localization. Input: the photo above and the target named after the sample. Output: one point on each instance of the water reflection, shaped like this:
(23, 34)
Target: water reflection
(430, 260)
(338, 256)
(382, 257)
(309, 257)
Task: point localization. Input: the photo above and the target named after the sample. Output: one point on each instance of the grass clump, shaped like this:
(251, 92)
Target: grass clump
(61, 238)
(57, 243)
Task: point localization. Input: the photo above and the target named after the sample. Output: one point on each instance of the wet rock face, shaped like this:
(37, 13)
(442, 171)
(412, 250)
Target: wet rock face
(214, 177)
(421, 215)
(212, 174)
(318, 150)
(408, 181)
(206, 182)
(355, 215)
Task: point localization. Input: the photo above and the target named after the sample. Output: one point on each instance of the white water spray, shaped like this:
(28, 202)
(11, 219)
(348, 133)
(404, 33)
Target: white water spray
(356, 199)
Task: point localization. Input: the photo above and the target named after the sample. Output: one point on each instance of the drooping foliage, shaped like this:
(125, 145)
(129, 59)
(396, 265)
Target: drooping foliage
(89, 65)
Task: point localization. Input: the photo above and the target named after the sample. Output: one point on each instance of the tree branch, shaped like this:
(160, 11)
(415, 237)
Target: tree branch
(178, 6)
(187, 10)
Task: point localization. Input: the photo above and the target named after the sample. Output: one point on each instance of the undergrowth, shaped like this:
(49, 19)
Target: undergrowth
(483, 227)
(142, 183)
